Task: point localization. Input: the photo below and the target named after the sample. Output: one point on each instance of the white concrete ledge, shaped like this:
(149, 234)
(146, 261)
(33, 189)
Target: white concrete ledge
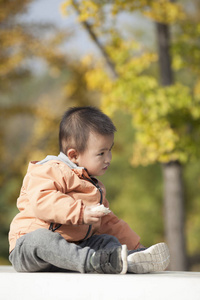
(56, 286)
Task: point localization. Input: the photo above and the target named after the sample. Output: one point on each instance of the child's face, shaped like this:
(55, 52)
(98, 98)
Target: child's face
(97, 156)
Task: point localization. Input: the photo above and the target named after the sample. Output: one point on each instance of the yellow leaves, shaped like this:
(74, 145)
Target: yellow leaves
(129, 5)
(45, 127)
(10, 37)
(154, 142)
(173, 98)
(198, 28)
(195, 109)
(197, 90)
(161, 132)
(95, 79)
(95, 76)
(177, 62)
(9, 9)
(10, 63)
(11, 54)
(69, 89)
(87, 61)
(159, 116)
(87, 10)
(129, 57)
(138, 64)
(127, 65)
(21, 44)
(65, 7)
(165, 11)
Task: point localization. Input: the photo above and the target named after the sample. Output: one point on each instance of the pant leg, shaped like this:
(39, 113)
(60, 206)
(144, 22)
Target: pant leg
(42, 250)
(97, 242)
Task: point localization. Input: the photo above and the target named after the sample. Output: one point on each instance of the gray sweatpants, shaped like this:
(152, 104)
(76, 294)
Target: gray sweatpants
(44, 250)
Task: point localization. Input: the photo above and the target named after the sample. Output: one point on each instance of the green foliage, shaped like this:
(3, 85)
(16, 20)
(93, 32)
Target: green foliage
(135, 194)
(192, 187)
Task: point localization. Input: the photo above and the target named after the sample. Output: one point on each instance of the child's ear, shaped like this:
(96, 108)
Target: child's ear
(72, 155)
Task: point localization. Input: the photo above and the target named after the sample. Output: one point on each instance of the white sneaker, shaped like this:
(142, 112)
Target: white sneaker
(153, 259)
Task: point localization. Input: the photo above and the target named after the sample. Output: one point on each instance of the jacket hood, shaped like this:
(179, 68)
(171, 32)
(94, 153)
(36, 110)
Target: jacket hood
(61, 157)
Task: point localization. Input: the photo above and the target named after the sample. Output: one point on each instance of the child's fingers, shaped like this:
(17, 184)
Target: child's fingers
(90, 216)
(97, 214)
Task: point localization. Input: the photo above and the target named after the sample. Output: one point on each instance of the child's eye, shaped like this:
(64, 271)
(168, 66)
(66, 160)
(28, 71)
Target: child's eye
(101, 154)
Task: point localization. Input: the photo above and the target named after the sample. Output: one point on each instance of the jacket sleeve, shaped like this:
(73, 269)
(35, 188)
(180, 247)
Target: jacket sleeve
(48, 197)
(112, 225)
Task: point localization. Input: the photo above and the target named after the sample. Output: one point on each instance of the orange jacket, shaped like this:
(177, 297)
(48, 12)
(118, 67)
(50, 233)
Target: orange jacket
(55, 193)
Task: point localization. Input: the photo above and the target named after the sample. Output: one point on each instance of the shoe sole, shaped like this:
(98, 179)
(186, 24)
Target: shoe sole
(124, 253)
(154, 259)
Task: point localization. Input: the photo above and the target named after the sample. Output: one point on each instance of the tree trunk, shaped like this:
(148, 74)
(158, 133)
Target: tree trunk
(172, 172)
(163, 37)
(174, 215)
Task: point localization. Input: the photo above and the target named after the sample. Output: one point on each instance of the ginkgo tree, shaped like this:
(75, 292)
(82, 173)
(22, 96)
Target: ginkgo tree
(165, 116)
(29, 107)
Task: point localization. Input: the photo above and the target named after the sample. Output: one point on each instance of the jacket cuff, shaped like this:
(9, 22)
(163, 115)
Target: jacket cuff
(137, 246)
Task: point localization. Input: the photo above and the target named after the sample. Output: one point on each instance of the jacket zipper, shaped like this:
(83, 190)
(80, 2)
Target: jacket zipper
(90, 226)
(54, 229)
(101, 200)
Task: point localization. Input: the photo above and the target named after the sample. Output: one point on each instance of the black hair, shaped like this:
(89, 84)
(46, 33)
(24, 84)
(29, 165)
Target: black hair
(78, 122)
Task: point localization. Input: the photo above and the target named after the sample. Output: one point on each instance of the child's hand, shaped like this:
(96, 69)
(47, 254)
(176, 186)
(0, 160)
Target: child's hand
(90, 217)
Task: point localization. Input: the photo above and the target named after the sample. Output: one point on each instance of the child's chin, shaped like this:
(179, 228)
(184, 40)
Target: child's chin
(99, 173)
(102, 172)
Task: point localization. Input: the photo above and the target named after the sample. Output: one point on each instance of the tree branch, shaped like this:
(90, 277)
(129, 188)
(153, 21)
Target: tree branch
(109, 63)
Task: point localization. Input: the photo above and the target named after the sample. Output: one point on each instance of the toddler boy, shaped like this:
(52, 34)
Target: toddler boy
(63, 221)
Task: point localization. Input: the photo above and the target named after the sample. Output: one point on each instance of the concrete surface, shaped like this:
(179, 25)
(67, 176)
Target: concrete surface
(56, 286)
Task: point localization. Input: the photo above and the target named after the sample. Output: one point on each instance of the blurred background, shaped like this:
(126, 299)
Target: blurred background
(139, 62)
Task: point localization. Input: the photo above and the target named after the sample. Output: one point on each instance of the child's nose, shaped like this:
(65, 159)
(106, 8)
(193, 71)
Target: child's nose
(108, 157)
